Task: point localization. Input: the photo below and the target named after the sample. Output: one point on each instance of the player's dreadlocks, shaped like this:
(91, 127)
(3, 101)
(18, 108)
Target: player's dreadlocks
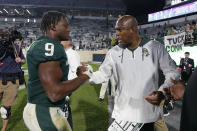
(50, 17)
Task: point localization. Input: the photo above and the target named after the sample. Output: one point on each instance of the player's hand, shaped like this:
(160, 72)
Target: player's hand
(155, 98)
(177, 90)
(81, 69)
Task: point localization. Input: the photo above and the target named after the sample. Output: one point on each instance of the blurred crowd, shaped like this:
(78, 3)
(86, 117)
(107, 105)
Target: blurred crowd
(158, 32)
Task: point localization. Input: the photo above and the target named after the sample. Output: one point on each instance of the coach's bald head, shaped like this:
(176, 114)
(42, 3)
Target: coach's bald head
(127, 21)
(126, 31)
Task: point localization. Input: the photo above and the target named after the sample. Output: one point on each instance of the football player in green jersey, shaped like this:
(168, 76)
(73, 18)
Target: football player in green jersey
(47, 84)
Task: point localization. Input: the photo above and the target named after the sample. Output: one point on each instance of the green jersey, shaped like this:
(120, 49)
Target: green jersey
(42, 50)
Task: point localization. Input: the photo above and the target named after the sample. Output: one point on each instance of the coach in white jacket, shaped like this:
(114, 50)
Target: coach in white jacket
(135, 63)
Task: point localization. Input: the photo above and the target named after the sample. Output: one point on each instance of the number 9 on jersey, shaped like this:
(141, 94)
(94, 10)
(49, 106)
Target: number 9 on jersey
(49, 47)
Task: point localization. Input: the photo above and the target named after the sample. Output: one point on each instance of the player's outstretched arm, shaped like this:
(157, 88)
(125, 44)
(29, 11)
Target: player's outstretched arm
(51, 75)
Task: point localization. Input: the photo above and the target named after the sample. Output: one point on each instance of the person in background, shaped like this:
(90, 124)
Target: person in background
(194, 27)
(104, 88)
(10, 69)
(172, 30)
(186, 66)
(73, 63)
(188, 28)
(73, 59)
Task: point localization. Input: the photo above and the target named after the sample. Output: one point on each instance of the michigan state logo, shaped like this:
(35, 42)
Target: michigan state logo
(145, 52)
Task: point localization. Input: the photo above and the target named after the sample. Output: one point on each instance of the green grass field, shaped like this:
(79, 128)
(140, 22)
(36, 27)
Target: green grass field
(88, 114)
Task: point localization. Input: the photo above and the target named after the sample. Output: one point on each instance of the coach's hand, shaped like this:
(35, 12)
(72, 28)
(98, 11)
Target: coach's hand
(89, 71)
(155, 98)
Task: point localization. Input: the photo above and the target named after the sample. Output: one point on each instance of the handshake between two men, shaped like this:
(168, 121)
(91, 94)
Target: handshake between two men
(85, 69)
